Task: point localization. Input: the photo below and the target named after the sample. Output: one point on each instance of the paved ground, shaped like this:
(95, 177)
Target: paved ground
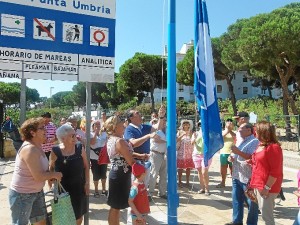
(194, 208)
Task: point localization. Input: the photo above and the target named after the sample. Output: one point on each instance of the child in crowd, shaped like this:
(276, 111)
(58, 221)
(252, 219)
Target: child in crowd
(138, 199)
(297, 193)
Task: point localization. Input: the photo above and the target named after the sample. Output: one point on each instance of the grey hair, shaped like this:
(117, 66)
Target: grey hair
(249, 126)
(63, 131)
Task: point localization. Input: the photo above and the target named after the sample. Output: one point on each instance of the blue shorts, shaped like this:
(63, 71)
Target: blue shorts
(27, 207)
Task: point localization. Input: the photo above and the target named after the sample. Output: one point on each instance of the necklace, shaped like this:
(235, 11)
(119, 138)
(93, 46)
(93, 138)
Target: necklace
(69, 153)
(66, 159)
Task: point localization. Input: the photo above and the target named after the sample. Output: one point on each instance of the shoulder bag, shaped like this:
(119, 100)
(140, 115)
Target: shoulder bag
(62, 209)
(103, 156)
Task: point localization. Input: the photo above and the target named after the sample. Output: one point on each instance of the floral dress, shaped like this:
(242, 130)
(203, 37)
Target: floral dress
(119, 177)
(184, 153)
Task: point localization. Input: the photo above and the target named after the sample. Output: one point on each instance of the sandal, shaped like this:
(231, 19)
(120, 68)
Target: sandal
(180, 185)
(96, 195)
(207, 193)
(220, 185)
(188, 185)
(104, 193)
(202, 191)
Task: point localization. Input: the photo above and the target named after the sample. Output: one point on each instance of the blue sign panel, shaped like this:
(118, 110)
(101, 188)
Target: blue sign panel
(58, 40)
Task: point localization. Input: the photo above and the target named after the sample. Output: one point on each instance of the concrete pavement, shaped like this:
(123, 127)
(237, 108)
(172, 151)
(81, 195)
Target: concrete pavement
(194, 208)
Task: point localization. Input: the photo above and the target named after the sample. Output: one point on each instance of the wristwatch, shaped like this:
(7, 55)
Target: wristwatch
(267, 187)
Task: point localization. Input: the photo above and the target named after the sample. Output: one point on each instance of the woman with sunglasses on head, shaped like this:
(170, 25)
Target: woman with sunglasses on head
(69, 157)
(26, 196)
(121, 157)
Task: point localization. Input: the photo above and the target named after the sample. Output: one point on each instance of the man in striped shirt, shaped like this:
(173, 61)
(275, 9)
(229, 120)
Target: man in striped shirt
(50, 129)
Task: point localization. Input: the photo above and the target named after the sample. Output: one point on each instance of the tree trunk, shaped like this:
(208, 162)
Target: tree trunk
(285, 101)
(270, 92)
(288, 130)
(291, 97)
(231, 92)
(152, 100)
(284, 78)
(152, 93)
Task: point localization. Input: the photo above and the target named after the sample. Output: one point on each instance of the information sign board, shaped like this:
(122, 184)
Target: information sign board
(58, 40)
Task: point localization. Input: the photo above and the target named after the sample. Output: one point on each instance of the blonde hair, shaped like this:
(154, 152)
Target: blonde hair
(111, 123)
(82, 124)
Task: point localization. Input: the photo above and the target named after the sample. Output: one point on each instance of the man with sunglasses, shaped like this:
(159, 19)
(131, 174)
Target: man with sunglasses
(241, 173)
(139, 134)
(240, 118)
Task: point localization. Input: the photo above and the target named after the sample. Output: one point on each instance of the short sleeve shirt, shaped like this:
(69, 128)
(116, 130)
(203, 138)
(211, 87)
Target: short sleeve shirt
(240, 169)
(134, 132)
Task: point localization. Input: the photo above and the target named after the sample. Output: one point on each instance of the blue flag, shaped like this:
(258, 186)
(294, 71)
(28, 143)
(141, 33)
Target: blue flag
(205, 85)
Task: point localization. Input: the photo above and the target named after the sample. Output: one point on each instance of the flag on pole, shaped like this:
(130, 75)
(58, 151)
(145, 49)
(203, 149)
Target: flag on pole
(205, 84)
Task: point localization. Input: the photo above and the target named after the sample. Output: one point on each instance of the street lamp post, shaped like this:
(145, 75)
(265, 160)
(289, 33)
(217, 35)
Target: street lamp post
(51, 95)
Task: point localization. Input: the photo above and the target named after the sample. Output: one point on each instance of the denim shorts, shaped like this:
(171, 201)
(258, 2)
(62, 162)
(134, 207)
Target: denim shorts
(27, 207)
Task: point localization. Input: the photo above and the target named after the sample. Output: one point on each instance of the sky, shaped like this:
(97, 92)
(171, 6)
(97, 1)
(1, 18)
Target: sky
(141, 26)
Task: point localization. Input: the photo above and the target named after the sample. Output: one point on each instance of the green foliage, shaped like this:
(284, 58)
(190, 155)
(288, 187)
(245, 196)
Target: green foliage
(63, 98)
(185, 108)
(185, 69)
(128, 105)
(10, 93)
(14, 114)
(142, 73)
(225, 106)
(56, 113)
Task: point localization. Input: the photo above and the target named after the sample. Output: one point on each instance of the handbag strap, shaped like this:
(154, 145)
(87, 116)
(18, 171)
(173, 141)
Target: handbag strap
(58, 188)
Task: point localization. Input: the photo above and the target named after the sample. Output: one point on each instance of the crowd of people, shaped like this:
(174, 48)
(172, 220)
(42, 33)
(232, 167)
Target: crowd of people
(137, 153)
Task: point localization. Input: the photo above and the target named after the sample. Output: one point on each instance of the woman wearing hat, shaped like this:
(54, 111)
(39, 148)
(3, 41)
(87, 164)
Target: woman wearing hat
(184, 151)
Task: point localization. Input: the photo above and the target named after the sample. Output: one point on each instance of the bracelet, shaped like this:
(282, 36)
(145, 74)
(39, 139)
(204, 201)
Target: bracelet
(267, 187)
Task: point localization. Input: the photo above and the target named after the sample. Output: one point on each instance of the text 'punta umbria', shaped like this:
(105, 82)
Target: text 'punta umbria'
(77, 5)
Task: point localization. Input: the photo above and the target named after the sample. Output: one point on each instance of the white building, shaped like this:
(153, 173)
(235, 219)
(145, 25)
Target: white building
(242, 86)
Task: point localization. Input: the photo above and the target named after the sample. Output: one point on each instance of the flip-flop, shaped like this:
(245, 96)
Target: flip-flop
(105, 193)
(188, 185)
(207, 193)
(202, 191)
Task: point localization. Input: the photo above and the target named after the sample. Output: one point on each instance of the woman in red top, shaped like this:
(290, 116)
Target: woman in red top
(267, 170)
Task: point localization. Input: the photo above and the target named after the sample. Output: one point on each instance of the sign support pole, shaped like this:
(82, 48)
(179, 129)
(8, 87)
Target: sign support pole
(88, 138)
(23, 101)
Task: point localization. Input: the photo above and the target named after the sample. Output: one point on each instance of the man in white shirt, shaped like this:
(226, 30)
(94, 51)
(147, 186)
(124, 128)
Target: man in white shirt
(158, 159)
